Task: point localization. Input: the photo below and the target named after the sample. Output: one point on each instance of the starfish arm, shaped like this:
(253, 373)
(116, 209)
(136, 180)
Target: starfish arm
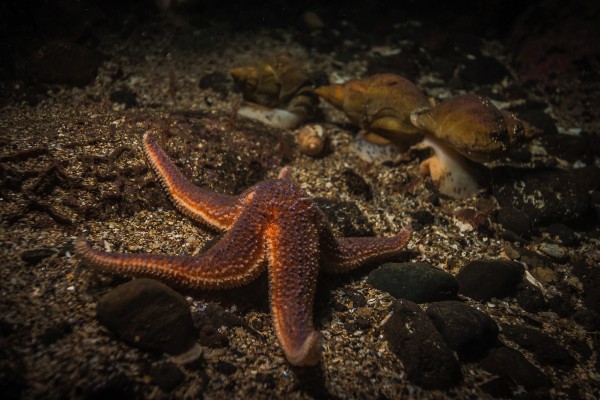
(345, 254)
(214, 209)
(292, 246)
(235, 260)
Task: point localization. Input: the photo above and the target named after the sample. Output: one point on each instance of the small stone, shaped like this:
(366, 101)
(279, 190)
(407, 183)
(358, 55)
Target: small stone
(544, 275)
(589, 319)
(545, 349)
(55, 333)
(166, 376)
(417, 282)
(211, 337)
(504, 361)
(217, 81)
(482, 280)
(565, 235)
(148, 314)
(345, 217)
(427, 359)
(553, 250)
(484, 70)
(465, 329)
(514, 220)
(225, 367)
(530, 297)
(590, 278)
(124, 96)
(356, 185)
(499, 387)
(34, 256)
(422, 218)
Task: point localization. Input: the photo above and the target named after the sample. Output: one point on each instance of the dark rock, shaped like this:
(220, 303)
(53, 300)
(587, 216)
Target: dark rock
(514, 220)
(34, 256)
(465, 329)
(356, 185)
(485, 279)
(484, 70)
(501, 386)
(545, 349)
(117, 387)
(534, 259)
(55, 333)
(504, 361)
(414, 339)
(215, 315)
(148, 314)
(537, 118)
(358, 299)
(12, 383)
(530, 297)
(345, 217)
(124, 96)
(217, 81)
(547, 196)
(590, 278)
(211, 337)
(587, 318)
(417, 282)
(561, 305)
(64, 62)
(6, 328)
(225, 367)
(166, 376)
(422, 218)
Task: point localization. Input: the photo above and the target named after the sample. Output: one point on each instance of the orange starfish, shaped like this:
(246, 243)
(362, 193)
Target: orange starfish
(275, 221)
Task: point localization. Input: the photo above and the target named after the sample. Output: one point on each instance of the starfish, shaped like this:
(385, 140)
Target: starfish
(274, 221)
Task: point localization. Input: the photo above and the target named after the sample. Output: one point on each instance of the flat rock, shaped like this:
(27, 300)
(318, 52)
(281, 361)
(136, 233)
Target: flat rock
(545, 348)
(418, 282)
(148, 314)
(345, 217)
(514, 220)
(547, 196)
(465, 329)
(504, 361)
(412, 336)
(34, 256)
(485, 279)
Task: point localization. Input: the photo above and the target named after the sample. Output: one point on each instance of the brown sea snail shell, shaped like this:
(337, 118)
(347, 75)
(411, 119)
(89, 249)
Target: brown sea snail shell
(380, 105)
(311, 140)
(279, 84)
(462, 131)
(474, 127)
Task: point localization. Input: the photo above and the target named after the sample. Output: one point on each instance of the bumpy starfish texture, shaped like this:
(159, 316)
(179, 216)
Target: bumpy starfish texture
(274, 221)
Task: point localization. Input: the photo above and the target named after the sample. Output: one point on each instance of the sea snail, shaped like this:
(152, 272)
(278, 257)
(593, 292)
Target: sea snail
(276, 91)
(380, 105)
(463, 130)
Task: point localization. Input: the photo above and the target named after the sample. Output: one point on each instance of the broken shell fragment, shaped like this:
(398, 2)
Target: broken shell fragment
(277, 83)
(311, 140)
(474, 127)
(380, 105)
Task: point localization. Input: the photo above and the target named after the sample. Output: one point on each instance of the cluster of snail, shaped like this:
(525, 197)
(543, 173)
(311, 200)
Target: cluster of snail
(389, 109)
